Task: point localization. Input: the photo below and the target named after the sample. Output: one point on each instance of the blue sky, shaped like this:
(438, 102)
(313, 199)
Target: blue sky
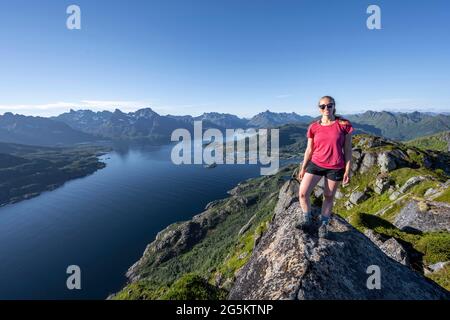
(235, 56)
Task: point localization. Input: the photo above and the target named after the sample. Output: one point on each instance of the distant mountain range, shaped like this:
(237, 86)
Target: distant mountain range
(402, 126)
(145, 125)
(40, 131)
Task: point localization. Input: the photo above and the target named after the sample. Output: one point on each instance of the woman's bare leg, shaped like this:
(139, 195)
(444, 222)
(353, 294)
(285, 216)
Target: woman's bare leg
(307, 185)
(329, 190)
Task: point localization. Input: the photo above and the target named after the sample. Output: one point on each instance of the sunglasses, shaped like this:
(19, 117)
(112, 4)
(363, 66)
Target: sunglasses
(328, 106)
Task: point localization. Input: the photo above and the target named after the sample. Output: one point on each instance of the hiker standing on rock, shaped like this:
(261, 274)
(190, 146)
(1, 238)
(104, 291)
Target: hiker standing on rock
(328, 155)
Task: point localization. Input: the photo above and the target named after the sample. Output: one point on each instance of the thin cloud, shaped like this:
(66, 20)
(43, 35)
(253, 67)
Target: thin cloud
(52, 109)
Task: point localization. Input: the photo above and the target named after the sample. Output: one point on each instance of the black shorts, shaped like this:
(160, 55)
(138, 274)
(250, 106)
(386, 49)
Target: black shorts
(332, 174)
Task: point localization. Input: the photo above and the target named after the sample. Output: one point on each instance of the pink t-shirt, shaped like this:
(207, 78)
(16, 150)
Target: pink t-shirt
(328, 143)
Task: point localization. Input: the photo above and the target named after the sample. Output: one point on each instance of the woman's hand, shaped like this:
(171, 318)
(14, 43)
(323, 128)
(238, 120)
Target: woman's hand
(346, 179)
(301, 173)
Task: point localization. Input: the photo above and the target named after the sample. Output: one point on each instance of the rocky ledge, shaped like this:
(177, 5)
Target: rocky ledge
(291, 264)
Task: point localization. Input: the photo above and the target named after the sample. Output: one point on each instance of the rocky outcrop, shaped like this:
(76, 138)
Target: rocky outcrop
(424, 216)
(391, 247)
(369, 151)
(382, 184)
(411, 182)
(358, 196)
(436, 267)
(291, 264)
(388, 155)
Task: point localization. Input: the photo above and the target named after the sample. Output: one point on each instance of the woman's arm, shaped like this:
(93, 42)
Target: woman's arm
(306, 158)
(348, 158)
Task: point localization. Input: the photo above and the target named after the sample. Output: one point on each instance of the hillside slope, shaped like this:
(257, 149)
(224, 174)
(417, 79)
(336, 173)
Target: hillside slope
(402, 126)
(439, 142)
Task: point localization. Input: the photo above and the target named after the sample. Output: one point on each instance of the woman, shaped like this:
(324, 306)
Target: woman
(328, 154)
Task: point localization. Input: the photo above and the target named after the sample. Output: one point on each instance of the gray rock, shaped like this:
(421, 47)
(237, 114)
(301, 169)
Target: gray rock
(424, 216)
(348, 205)
(430, 192)
(356, 155)
(394, 195)
(391, 247)
(376, 238)
(357, 197)
(290, 264)
(247, 225)
(386, 162)
(381, 184)
(368, 161)
(438, 266)
(411, 182)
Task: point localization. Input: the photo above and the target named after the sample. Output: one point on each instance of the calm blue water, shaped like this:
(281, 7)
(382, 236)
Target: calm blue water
(102, 222)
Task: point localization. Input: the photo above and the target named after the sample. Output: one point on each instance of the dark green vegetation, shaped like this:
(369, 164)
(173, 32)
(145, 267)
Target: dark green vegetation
(401, 126)
(438, 142)
(27, 171)
(219, 254)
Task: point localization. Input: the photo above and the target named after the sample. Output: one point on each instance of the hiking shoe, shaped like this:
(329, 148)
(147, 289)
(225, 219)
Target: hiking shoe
(323, 231)
(304, 222)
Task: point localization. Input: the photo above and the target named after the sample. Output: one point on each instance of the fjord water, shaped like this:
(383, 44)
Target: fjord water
(102, 222)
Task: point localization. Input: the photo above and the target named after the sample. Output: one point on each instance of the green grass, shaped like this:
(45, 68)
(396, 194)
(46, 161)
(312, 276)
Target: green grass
(141, 290)
(442, 277)
(434, 246)
(193, 287)
(444, 197)
(432, 142)
(190, 286)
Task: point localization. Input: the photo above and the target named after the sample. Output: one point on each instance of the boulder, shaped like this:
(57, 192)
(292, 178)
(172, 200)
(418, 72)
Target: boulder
(386, 162)
(368, 161)
(391, 247)
(358, 196)
(411, 182)
(381, 184)
(436, 267)
(424, 216)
